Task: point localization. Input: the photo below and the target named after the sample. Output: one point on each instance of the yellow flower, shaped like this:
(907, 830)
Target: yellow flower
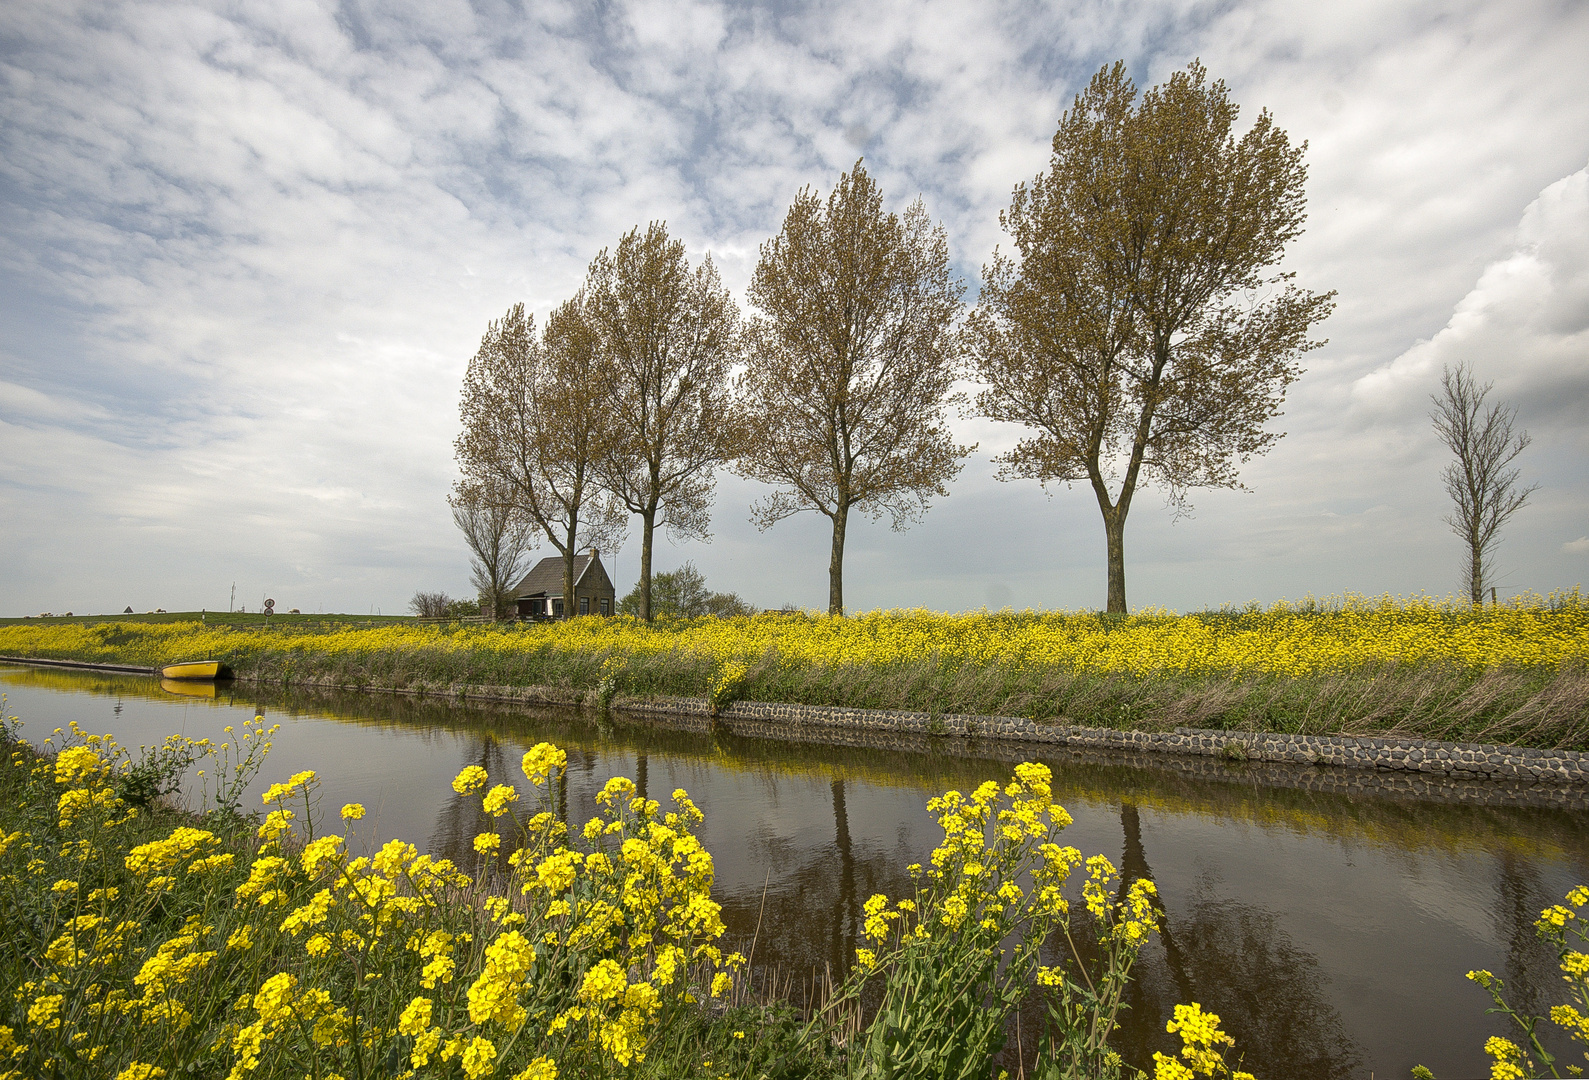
(1167, 1068)
(319, 851)
(1554, 917)
(603, 982)
(42, 1013)
(298, 782)
(77, 763)
(276, 822)
(352, 811)
(1508, 1059)
(498, 798)
(479, 1058)
(543, 761)
(139, 1071)
(542, 1068)
(415, 1019)
(487, 841)
(470, 780)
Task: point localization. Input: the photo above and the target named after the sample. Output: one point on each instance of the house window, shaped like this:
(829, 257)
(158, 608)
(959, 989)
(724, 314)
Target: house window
(557, 607)
(606, 606)
(584, 605)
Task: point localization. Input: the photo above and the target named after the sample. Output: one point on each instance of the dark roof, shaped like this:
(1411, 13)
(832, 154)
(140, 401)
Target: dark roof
(546, 576)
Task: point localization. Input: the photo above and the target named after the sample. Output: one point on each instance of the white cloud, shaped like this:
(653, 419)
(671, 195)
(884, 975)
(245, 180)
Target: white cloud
(1524, 325)
(1579, 546)
(246, 253)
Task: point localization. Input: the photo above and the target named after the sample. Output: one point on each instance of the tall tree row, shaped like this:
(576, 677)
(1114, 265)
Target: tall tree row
(1138, 331)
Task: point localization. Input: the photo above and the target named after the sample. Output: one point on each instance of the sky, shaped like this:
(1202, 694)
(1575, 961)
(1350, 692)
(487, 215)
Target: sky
(247, 250)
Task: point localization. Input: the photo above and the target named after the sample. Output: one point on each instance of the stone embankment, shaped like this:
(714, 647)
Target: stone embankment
(1461, 761)
(1408, 765)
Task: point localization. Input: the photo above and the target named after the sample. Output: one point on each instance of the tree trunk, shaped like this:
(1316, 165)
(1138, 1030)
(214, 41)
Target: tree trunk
(568, 571)
(845, 914)
(841, 517)
(1475, 571)
(648, 526)
(1114, 529)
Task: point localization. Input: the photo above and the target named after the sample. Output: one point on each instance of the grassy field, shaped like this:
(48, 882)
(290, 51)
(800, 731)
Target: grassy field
(217, 618)
(1515, 673)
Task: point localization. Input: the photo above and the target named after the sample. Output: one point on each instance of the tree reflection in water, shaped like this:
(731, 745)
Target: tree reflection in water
(1531, 974)
(1235, 960)
(460, 818)
(845, 910)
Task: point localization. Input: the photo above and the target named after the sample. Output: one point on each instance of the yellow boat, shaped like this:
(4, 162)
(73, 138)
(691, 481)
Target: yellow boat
(196, 669)
(203, 688)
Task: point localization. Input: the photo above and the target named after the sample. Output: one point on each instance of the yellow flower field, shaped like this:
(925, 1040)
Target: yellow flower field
(1285, 640)
(1421, 666)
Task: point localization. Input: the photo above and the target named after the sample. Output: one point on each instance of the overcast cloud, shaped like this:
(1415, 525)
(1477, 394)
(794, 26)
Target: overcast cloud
(246, 251)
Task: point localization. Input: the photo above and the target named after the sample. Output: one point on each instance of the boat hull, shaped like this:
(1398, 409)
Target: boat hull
(195, 669)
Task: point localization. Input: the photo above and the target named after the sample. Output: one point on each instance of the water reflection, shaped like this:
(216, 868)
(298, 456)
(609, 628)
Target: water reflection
(1272, 994)
(1330, 931)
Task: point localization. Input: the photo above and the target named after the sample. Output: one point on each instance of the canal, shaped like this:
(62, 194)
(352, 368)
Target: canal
(1330, 929)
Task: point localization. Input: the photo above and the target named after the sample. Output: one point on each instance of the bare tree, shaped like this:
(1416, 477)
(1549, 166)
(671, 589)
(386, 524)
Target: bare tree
(500, 539)
(1139, 335)
(670, 335)
(537, 416)
(430, 605)
(850, 364)
(1484, 489)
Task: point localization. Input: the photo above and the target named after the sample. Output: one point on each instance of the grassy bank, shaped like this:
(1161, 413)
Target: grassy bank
(1518, 673)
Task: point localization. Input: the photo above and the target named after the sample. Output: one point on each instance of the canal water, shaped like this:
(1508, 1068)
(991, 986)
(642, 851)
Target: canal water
(1330, 929)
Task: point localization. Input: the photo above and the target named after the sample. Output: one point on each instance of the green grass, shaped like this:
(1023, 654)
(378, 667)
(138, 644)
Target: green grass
(218, 618)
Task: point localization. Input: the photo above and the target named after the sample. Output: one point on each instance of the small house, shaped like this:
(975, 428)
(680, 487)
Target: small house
(540, 594)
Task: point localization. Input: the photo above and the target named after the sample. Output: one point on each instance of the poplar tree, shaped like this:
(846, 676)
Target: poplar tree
(850, 363)
(1483, 487)
(669, 335)
(499, 539)
(536, 421)
(1141, 335)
